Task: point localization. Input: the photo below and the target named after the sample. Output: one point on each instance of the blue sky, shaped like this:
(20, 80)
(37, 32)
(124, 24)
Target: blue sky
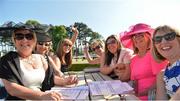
(104, 16)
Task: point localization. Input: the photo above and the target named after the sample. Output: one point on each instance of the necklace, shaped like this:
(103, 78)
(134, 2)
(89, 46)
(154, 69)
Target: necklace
(29, 60)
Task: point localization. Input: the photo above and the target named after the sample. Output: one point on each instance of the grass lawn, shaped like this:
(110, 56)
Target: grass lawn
(79, 65)
(79, 61)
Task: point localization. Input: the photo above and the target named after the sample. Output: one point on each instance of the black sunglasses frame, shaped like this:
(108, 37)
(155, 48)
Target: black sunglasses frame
(44, 43)
(168, 37)
(21, 36)
(97, 47)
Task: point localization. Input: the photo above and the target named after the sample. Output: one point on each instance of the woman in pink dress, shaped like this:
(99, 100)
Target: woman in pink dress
(143, 67)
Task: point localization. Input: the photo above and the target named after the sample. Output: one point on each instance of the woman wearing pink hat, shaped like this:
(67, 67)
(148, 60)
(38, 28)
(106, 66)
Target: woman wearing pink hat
(143, 67)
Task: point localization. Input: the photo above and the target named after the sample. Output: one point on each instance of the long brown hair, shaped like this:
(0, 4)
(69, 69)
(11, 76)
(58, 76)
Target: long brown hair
(108, 54)
(60, 52)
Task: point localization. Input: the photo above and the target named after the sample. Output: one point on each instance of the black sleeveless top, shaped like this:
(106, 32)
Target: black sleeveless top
(64, 68)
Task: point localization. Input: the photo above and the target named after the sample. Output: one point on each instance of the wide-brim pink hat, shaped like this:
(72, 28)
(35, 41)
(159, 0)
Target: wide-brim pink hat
(126, 36)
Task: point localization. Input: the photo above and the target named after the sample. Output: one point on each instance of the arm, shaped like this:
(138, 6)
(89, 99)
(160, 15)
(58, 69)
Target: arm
(123, 71)
(62, 81)
(25, 93)
(161, 91)
(104, 69)
(74, 37)
(88, 57)
(56, 64)
(176, 96)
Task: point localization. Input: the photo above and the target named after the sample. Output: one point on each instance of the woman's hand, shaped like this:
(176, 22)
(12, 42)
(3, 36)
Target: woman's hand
(71, 80)
(74, 30)
(51, 96)
(119, 68)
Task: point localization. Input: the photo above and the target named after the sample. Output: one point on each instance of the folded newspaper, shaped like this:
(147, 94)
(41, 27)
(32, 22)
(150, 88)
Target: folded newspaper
(109, 87)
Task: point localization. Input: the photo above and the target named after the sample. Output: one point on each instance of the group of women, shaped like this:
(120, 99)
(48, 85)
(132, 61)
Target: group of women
(27, 75)
(148, 57)
(153, 64)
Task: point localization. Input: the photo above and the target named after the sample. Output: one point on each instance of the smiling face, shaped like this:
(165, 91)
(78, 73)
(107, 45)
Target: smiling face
(97, 48)
(43, 47)
(67, 46)
(24, 41)
(112, 45)
(169, 45)
(141, 41)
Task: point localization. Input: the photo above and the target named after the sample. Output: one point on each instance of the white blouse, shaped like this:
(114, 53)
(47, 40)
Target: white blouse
(32, 78)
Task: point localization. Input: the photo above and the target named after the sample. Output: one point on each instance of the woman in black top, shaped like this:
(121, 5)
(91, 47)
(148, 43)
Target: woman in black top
(64, 50)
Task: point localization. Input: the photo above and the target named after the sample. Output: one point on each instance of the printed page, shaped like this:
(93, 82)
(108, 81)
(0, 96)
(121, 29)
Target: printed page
(74, 93)
(109, 87)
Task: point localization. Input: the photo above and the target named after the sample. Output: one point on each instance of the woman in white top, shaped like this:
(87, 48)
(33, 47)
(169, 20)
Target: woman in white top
(115, 62)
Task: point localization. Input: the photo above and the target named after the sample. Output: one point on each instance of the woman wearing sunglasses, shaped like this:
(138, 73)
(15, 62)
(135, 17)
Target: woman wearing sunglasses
(116, 59)
(64, 50)
(98, 47)
(166, 43)
(26, 75)
(143, 67)
(44, 47)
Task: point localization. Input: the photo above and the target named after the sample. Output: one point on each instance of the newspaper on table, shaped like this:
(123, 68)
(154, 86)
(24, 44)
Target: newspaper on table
(112, 87)
(73, 93)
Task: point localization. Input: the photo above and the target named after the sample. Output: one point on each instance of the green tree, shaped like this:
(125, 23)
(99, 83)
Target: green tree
(58, 33)
(33, 22)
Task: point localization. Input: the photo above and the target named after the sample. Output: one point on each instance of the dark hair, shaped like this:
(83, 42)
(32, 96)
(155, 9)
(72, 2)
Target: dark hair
(108, 54)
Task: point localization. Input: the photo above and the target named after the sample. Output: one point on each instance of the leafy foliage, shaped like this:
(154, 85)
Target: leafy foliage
(60, 32)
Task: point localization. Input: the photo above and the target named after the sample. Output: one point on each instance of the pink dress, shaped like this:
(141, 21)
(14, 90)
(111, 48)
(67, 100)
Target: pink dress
(144, 71)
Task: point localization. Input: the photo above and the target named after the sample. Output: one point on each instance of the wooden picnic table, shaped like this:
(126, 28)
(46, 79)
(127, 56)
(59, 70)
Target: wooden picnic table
(86, 77)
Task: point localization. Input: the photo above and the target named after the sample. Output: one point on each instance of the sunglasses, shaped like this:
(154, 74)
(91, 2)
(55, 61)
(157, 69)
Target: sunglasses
(97, 47)
(168, 37)
(44, 43)
(67, 45)
(20, 36)
(111, 42)
(140, 35)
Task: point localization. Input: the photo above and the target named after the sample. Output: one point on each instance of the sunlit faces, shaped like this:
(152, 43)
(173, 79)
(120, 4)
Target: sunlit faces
(24, 41)
(67, 46)
(140, 40)
(112, 45)
(166, 43)
(43, 47)
(97, 49)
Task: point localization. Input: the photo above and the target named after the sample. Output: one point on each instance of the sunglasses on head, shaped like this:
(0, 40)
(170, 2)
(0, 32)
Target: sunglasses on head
(168, 37)
(97, 47)
(20, 36)
(111, 42)
(44, 43)
(66, 44)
